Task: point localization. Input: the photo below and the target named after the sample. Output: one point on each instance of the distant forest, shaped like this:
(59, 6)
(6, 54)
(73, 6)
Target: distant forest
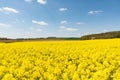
(106, 35)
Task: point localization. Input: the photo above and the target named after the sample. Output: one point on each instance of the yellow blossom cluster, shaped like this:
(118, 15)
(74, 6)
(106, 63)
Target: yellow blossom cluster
(60, 60)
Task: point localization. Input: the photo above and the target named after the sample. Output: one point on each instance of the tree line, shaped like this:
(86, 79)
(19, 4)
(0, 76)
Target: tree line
(106, 35)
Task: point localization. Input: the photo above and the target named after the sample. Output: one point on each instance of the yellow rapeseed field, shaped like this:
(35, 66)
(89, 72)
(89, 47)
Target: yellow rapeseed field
(60, 60)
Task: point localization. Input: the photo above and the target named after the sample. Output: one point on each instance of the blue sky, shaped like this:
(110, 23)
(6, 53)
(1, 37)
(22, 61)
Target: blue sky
(60, 18)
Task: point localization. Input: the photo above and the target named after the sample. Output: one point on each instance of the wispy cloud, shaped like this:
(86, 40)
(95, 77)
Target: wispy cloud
(29, 1)
(63, 28)
(41, 23)
(42, 1)
(33, 29)
(63, 9)
(4, 25)
(71, 29)
(105, 30)
(95, 12)
(79, 23)
(63, 22)
(8, 10)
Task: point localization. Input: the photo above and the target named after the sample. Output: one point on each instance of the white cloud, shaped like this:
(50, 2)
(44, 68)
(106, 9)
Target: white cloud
(8, 10)
(42, 1)
(79, 23)
(41, 23)
(63, 22)
(29, 1)
(63, 9)
(63, 28)
(4, 25)
(34, 21)
(95, 12)
(33, 29)
(105, 30)
(71, 29)
(91, 12)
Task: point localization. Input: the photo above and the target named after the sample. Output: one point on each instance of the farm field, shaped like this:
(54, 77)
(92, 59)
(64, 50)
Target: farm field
(60, 60)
